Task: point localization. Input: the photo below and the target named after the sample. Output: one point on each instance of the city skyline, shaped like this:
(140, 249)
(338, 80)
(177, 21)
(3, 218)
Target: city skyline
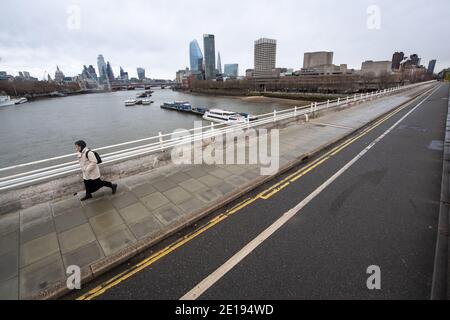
(351, 41)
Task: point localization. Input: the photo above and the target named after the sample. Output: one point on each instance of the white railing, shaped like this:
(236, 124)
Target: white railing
(161, 142)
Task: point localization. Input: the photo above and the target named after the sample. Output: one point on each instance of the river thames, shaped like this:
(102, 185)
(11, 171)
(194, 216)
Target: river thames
(46, 128)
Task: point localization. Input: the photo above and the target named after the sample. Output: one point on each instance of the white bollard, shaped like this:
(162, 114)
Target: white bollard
(306, 118)
(328, 104)
(274, 115)
(295, 111)
(339, 102)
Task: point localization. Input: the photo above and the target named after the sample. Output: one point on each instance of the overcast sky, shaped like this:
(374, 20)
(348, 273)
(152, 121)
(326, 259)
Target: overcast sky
(37, 35)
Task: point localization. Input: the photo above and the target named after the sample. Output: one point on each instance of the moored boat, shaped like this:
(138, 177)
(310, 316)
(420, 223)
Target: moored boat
(224, 116)
(130, 102)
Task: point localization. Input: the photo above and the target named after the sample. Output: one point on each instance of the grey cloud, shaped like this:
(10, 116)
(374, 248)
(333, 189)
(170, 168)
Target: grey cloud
(156, 34)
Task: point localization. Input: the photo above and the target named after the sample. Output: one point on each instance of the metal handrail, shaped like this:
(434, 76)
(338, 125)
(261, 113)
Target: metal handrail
(158, 143)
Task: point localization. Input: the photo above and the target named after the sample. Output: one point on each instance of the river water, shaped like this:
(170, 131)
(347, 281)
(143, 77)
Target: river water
(49, 127)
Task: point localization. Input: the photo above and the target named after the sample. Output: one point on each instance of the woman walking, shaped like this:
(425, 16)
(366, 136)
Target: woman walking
(91, 171)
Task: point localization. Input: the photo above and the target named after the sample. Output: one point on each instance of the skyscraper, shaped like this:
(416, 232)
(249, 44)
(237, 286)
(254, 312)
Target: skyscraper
(123, 74)
(231, 70)
(92, 72)
(265, 57)
(109, 72)
(219, 64)
(101, 64)
(195, 56)
(210, 56)
(397, 59)
(431, 66)
(141, 73)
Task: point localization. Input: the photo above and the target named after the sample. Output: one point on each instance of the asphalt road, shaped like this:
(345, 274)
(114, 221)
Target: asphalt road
(383, 210)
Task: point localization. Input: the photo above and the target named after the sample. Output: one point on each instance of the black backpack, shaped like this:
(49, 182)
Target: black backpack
(97, 156)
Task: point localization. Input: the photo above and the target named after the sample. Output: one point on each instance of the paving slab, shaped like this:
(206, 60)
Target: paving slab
(134, 213)
(83, 256)
(9, 289)
(220, 173)
(117, 239)
(147, 227)
(41, 275)
(38, 249)
(163, 185)
(71, 218)
(179, 177)
(207, 195)
(237, 181)
(37, 230)
(9, 265)
(9, 242)
(105, 222)
(143, 190)
(61, 206)
(210, 180)
(96, 207)
(169, 214)
(192, 185)
(75, 238)
(155, 200)
(196, 172)
(34, 215)
(177, 195)
(9, 223)
(192, 205)
(124, 200)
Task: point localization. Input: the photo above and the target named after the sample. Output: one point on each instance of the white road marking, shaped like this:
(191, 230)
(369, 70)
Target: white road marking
(214, 277)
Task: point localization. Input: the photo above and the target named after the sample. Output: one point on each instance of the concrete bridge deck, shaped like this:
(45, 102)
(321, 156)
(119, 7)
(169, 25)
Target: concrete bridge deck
(38, 244)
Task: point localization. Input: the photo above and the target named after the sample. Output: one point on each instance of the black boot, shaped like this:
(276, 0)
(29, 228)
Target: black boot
(86, 197)
(114, 188)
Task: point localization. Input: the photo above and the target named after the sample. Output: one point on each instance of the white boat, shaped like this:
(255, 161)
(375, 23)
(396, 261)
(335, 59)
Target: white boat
(21, 101)
(6, 101)
(146, 102)
(130, 102)
(223, 116)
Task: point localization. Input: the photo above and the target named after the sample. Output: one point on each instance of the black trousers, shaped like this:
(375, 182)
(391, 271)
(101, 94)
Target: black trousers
(95, 185)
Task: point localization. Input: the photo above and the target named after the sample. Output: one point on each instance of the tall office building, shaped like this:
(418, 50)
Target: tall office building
(265, 57)
(123, 74)
(101, 64)
(431, 66)
(219, 64)
(195, 56)
(92, 72)
(109, 72)
(397, 59)
(231, 70)
(141, 73)
(210, 56)
(316, 59)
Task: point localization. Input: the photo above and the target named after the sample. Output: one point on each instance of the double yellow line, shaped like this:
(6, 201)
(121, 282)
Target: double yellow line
(264, 195)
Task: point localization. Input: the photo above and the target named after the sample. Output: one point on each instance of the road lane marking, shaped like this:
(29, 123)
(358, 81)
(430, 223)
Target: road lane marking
(214, 277)
(264, 195)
